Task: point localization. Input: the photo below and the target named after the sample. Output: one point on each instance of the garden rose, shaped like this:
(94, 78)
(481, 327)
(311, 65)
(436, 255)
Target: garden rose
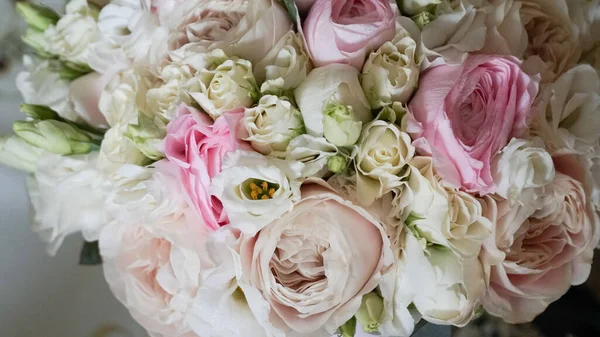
(307, 271)
(197, 146)
(313, 152)
(463, 115)
(554, 42)
(568, 111)
(541, 246)
(346, 31)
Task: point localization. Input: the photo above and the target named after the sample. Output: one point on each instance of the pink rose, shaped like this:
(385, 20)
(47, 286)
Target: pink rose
(541, 246)
(197, 146)
(464, 115)
(305, 273)
(345, 31)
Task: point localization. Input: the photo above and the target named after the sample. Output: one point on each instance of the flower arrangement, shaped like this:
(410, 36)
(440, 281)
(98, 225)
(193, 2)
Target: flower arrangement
(316, 167)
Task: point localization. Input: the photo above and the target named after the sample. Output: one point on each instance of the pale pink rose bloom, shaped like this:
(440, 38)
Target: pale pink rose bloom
(152, 264)
(84, 93)
(542, 246)
(305, 273)
(346, 31)
(464, 115)
(197, 145)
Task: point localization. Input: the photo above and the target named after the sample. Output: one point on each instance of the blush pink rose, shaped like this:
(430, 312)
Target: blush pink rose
(464, 115)
(197, 146)
(541, 246)
(345, 31)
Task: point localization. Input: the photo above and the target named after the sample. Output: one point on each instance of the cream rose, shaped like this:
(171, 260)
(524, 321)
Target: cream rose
(73, 34)
(307, 271)
(541, 246)
(271, 125)
(254, 189)
(521, 165)
(469, 26)
(288, 60)
(117, 150)
(383, 152)
(124, 95)
(163, 101)
(391, 73)
(554, 46)
(568, 111)
(227, 84)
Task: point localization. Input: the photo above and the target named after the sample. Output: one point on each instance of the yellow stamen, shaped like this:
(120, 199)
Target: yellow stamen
(253, 186)
(271, 192)
(264, 185)
(254, 194)
(265, 197)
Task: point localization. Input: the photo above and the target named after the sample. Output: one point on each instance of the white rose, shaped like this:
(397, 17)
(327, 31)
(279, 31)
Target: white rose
(568, 111)
(117, 150)
(271, 125)
(332, 101)
(265, 23)
(522, 164)
(467, 26)
(39, 85)
(123, 96)
(18, 154)
(221, 308)
(383, 152)
(313, 152)
(447, 289)
(255, 189)
(288, 60)
(73, 34)
(554, 46)
(162, 101)
(443, 215)
(66, 194)
(204, 22)
(227, 84)
(391, 73)
(322, 240)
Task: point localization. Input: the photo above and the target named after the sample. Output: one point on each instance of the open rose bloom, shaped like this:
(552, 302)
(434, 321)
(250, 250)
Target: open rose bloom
(316, 168)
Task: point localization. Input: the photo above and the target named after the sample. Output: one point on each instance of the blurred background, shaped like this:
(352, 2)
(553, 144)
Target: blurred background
(43, 296)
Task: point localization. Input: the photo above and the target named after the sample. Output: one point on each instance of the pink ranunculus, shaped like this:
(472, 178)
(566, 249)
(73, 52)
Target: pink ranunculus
(345, 31)
(198, 146)
(541, 246)
(464, 115)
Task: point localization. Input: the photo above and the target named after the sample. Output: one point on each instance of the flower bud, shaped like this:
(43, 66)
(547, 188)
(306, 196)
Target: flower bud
(37, 16)
(337, 164)
(18, 154)
(37, 41)
(54, 136)
(349, 328)
(370, 312)
(40, 112)
(146, 135)
(340, 127)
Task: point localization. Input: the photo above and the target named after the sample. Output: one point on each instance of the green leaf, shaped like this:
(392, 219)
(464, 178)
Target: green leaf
(90, 254)
(292, 9)
(349, 328)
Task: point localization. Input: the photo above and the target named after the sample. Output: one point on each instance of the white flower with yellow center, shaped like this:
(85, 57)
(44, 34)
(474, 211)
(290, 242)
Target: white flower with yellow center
(255, 189)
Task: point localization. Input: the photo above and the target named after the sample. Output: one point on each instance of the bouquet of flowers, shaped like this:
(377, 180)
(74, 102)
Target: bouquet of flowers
(316, 167)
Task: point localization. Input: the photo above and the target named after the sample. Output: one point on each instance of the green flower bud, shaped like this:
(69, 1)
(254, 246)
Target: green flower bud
(40, 112)
(37, 16)
(337, 164)
(54, 136)
(18, 154)
(37, 41)
(349, 328)
(146, 135)
(370, 312)
(340, 126)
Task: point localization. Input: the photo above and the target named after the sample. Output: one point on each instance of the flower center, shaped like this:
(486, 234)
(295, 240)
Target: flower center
(257, 189)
